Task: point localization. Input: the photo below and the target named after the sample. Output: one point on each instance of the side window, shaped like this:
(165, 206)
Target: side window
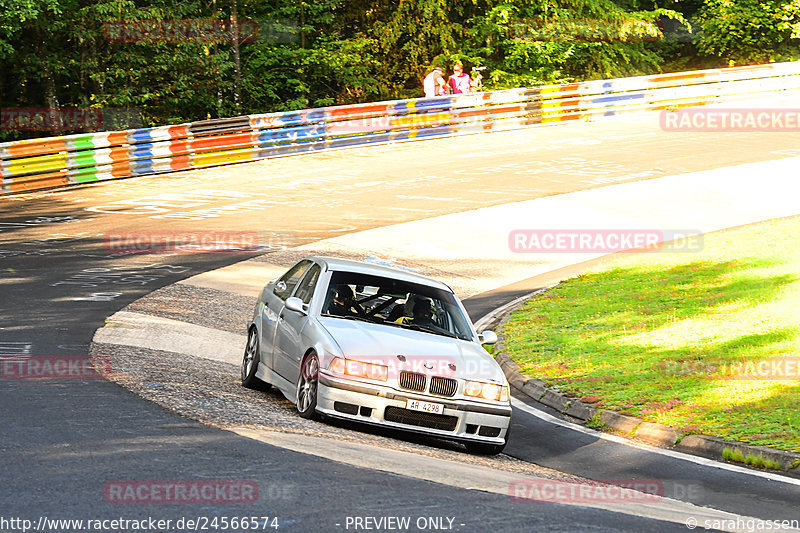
(284, 286)
(305, 290)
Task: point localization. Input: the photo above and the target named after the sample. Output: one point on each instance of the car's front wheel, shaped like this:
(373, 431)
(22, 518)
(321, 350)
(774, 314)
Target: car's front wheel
(250, 363)
(308, 386)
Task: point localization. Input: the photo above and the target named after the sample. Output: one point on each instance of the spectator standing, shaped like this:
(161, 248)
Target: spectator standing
(434, 83)
(459, 82)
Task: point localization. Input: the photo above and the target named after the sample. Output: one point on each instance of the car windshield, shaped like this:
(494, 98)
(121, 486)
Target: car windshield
(396, 303)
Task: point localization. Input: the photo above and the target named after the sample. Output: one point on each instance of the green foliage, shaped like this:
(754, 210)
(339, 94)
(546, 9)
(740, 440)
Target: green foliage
(758, 461)
(327, 52)
(750, 31)
(595, 422)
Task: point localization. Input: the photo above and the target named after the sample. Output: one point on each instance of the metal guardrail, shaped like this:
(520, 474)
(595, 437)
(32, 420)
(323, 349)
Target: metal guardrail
(84, 158)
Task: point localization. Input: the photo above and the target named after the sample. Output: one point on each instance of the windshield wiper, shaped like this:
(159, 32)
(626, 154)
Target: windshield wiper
(353, 317)
(426, 329)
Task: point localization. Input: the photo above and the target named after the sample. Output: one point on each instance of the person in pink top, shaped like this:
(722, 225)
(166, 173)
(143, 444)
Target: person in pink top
(459, 82)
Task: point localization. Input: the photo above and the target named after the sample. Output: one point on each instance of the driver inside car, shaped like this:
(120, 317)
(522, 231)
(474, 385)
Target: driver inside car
(422, 314)
(343, 302)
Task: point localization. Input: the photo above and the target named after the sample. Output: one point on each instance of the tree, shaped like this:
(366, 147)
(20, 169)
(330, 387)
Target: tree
(750, 31)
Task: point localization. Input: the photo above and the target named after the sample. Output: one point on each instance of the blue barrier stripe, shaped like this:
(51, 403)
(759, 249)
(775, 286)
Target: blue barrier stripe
(140, 151)
(425, 104)
(618, 98)
(291, 134)
(141, 166)
(288, 149)
(271, 143)
(307, 130)
(141, 135)
(438, 130)
(317, 115)
(340, 142)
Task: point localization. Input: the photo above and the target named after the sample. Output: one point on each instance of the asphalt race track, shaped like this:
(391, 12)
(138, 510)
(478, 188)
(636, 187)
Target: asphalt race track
(64, 440)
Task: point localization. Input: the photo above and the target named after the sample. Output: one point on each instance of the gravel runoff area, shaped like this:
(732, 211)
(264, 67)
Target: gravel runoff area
(211, 391)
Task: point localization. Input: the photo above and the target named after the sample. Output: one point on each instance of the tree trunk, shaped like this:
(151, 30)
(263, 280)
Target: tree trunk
(237, 66)
(49, 86)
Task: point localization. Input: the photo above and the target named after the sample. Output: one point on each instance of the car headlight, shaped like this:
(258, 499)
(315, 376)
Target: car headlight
(359, 369)
(487, 391)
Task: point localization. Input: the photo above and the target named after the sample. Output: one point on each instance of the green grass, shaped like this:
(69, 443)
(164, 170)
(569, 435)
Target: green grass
(669, 337)
(758, 461)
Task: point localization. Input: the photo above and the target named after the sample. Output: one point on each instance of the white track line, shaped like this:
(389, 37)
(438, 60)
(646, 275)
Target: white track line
(661, 451)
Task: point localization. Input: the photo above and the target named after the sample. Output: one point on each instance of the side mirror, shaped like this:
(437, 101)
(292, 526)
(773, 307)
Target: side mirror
(487, 337)
(295, 304)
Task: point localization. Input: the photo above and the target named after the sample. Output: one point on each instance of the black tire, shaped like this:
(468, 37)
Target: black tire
(250, 363)
(308, 387)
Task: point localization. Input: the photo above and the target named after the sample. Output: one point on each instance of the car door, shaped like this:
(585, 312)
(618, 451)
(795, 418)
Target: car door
(274, 300)
(288, 341)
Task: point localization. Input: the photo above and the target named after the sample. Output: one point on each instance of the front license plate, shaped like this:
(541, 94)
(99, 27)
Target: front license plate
(426, 407)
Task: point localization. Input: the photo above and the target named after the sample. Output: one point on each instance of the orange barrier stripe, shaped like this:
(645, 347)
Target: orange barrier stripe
(495, 110)
(218, 142)
(179, 132)
(676, 77)
(181, 162)
(178, 148)
(37, 147)
(121, 169)
(117, 138)
(28, 183)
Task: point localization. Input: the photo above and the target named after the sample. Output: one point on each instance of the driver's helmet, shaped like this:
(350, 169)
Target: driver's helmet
(343, 294)
(423, 308)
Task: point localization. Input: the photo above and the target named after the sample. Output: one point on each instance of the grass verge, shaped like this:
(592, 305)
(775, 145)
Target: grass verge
(705, 342)
(758, 461)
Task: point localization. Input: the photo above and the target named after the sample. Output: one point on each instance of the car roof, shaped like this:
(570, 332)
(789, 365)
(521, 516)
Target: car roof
(346, 265)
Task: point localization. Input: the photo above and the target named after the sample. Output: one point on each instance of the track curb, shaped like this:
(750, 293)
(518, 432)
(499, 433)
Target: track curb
(620, 424)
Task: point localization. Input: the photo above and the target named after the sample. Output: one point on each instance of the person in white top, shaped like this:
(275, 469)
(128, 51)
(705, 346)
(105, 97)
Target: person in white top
(434, 83)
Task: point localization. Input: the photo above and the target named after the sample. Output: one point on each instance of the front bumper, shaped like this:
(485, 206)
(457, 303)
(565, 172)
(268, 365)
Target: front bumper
(381, 405)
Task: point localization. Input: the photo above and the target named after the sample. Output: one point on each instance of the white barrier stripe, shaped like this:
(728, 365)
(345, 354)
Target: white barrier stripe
(407, 119)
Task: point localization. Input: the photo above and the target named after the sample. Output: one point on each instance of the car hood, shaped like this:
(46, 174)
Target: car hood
(423, 352)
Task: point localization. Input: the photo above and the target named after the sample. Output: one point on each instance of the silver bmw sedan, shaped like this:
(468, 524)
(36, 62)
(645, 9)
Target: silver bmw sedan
(381, 346)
